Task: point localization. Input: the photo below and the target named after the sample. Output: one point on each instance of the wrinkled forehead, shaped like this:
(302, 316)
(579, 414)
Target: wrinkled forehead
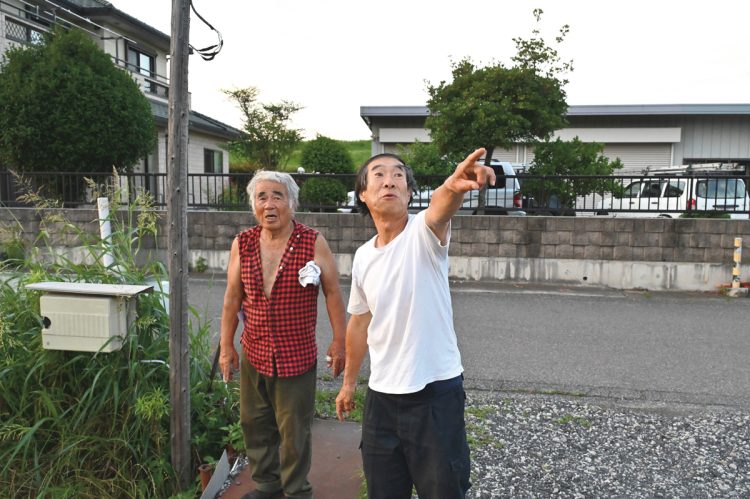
(269, 187)
(385, 164)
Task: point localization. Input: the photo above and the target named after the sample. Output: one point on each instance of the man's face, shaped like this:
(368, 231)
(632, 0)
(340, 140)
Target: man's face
(387, 189)
(272, 209)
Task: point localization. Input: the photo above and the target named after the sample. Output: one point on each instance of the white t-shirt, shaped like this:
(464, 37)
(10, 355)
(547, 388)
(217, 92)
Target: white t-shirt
(404, 285)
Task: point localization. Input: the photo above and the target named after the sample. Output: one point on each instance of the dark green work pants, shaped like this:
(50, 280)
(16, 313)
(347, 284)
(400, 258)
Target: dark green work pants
(276, 415)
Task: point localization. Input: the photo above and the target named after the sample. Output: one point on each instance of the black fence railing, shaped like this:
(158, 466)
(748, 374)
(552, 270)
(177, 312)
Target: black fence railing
(627, 195)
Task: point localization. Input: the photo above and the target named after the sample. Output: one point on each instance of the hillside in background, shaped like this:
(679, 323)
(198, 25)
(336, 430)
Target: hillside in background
(360, 151)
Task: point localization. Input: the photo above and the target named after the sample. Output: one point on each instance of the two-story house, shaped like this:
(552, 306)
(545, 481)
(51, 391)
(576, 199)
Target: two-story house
(135, 47)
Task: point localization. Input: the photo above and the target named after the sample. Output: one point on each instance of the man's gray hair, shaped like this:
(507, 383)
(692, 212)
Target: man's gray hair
(282, 178)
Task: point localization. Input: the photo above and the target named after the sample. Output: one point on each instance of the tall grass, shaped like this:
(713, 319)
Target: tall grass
(80, 424)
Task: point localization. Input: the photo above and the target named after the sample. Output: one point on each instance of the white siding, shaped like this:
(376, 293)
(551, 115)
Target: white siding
(627, 135)
(636, 157)
(404, 135)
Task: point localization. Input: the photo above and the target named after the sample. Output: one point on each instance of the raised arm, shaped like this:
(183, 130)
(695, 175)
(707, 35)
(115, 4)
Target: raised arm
(329, 280)
(447, 199)
(232, 303)
(356, 347)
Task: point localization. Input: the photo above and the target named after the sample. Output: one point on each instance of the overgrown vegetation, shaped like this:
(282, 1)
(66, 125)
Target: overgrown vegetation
(81, 424)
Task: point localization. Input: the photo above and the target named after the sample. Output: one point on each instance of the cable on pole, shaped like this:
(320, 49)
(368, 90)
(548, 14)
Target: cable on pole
(207, 53)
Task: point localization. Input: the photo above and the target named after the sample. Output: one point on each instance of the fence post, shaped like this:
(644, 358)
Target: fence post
(737, 260)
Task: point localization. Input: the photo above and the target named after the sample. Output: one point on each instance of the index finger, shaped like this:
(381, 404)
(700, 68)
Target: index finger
(474, 157)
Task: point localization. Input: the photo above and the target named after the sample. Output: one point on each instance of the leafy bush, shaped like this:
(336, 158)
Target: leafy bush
(569, 158)
(322, 192)
(324, 155)
(81, 424)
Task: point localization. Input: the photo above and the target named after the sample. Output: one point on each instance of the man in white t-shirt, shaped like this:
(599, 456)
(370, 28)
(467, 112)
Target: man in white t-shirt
(413, 431)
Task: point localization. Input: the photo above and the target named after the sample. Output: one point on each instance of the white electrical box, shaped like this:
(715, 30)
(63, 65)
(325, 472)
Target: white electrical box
(86, 317)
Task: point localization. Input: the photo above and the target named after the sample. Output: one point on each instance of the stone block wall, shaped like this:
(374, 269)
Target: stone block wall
(478, 243)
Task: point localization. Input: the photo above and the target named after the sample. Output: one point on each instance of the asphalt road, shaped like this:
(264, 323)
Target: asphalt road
(638, 348)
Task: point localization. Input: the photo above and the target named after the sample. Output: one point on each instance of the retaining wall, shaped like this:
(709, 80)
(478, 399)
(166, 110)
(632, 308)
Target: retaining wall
(680, 254)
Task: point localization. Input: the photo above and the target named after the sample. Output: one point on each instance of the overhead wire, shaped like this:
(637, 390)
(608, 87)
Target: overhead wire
(207, 53)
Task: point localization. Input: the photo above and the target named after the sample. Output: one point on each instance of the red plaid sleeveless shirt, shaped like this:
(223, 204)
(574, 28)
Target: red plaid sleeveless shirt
(279, 330)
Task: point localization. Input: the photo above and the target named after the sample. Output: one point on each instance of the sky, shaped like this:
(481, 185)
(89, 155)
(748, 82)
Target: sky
(333, 56)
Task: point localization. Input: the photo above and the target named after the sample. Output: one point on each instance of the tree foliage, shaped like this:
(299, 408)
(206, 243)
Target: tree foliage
(325, 155)
(498, 106)
(568, 158)
(425, 159)
(268, 140)
(322, 192)
(429, 165)
(65, 107)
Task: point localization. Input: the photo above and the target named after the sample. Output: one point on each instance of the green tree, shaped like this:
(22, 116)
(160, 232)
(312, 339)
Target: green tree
(498, 106)
(568, 158)
(427, 161)
(268, 141)
(325, 155)
(65, 107)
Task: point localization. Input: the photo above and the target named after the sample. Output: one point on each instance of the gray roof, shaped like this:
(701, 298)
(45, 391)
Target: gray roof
(197, 121)
(604, 110)
(101, 9)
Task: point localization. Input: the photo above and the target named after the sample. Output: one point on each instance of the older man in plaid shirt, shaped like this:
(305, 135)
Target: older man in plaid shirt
(275, 271)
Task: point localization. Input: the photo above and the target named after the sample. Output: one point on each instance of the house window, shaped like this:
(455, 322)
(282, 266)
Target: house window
(143, 64)
(213, 161)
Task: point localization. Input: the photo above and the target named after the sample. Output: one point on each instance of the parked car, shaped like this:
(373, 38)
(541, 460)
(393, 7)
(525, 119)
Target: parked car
(722, 194)
(666, 198)
(669, 198)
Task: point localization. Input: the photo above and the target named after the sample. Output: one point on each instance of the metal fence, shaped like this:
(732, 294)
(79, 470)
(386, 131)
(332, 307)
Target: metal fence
(633, 195)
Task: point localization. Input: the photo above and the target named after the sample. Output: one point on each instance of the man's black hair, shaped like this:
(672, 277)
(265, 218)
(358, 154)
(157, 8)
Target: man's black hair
(360, 183)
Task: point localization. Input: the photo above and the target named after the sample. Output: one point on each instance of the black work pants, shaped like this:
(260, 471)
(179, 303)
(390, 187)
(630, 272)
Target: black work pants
(417, 439)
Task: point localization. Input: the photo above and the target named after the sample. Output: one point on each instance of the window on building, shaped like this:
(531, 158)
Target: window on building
(143, 64)
(213, 161)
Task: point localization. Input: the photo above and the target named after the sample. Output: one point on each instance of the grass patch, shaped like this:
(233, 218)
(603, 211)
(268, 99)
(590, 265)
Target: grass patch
(480, 412)
(325, 404)
(571, 419)
(478, 435)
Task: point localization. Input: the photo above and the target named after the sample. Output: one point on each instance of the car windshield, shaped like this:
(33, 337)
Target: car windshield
(720, 188)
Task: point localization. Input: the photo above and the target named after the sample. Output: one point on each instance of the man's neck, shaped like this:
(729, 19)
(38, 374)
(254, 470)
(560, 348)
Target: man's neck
(274, 235)
(389, 228)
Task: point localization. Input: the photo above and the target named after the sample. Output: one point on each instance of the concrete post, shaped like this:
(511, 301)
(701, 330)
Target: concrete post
(737, 261)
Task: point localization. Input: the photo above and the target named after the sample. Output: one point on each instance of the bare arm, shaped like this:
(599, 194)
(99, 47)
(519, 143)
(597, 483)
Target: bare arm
(447, 199)
(329, 279)
(356, 347)
(232, 303)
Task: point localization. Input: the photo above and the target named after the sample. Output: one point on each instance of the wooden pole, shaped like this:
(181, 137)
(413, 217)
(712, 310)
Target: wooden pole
(179, 343)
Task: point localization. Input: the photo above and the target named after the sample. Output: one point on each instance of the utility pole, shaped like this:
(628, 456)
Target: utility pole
(179, 341)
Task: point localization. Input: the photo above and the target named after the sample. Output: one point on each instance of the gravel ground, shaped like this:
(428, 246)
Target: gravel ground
(542, 446)
(526, 445)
